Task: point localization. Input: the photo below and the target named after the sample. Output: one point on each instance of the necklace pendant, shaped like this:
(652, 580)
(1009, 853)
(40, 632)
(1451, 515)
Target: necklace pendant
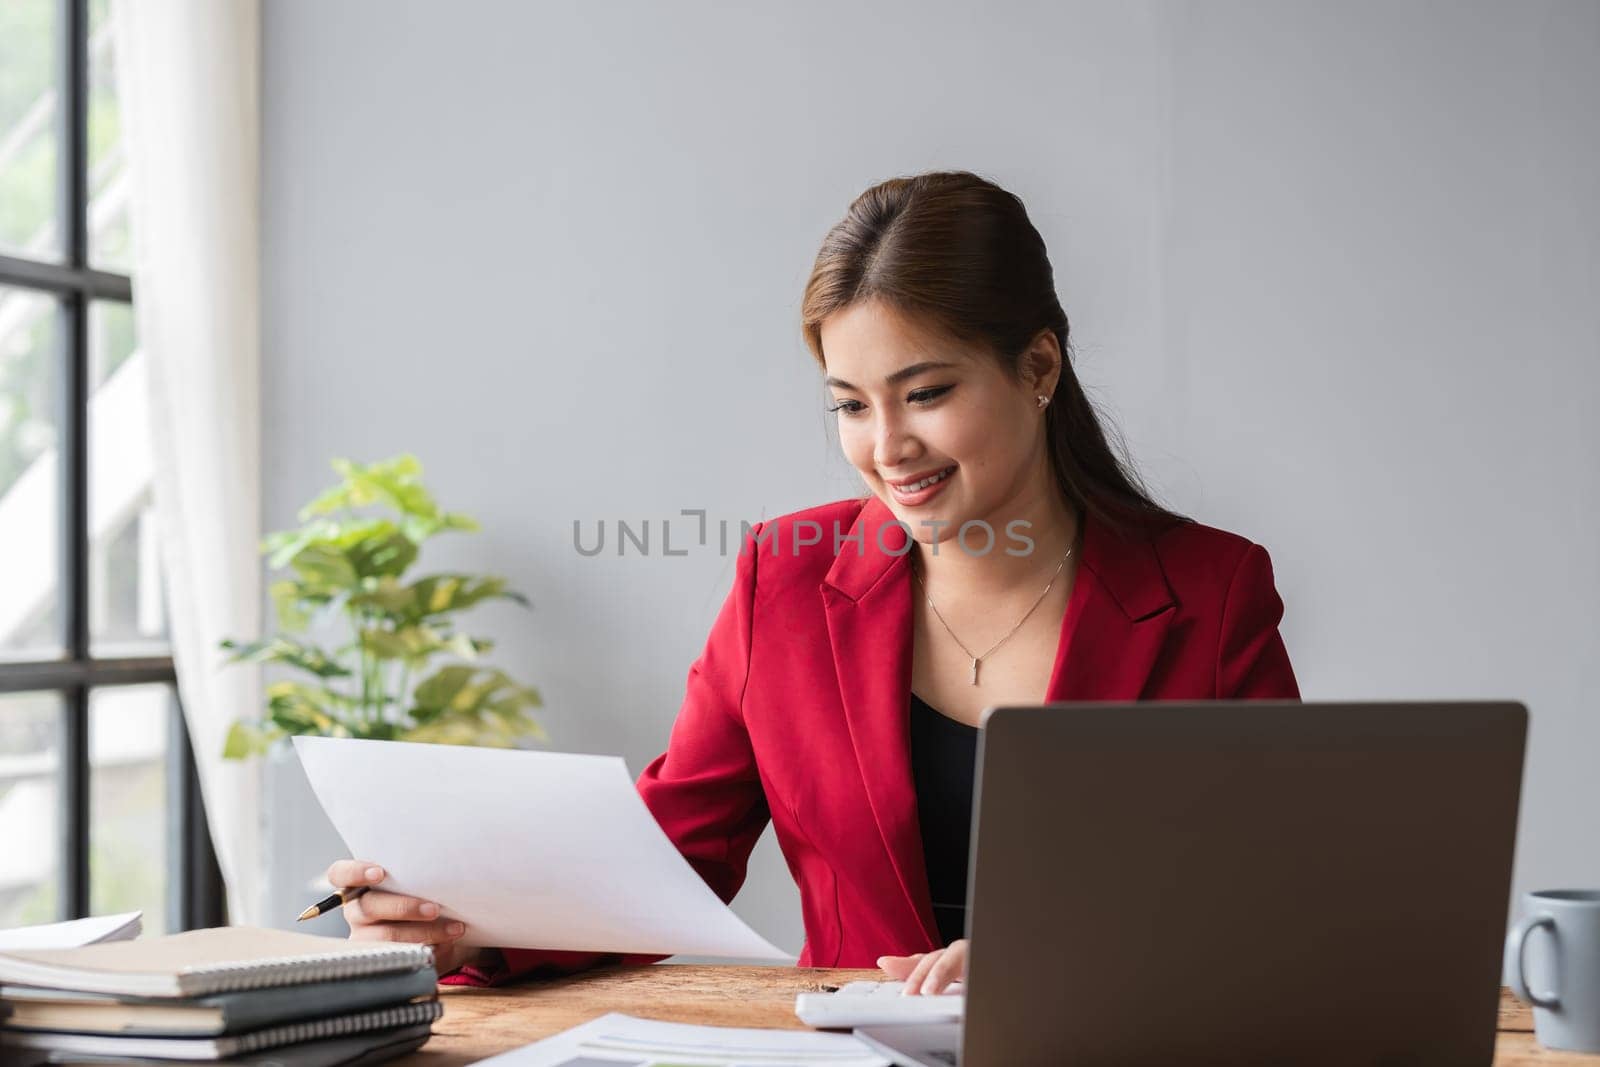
(974, 672)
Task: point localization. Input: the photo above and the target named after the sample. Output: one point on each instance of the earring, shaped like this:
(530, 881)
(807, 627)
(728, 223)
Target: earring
(1043, 400)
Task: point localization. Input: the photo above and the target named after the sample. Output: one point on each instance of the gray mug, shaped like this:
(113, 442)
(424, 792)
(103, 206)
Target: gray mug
(1567, 922)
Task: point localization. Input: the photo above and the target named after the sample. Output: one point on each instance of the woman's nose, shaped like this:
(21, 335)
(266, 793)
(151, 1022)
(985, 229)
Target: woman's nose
(892, 446)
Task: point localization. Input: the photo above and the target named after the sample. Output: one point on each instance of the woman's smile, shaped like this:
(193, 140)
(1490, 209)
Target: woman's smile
(923, 490)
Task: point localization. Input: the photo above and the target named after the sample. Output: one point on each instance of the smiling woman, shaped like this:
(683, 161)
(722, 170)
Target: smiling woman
(837, 696)
(935, 294)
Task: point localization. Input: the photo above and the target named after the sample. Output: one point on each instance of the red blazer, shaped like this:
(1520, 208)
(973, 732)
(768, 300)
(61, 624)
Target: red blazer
(796, 711)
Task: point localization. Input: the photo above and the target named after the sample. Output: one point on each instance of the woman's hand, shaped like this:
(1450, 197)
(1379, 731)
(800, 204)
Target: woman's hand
(379, 916)
(928, 972)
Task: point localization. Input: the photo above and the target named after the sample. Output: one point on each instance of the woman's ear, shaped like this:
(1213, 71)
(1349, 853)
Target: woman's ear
(1041, 364)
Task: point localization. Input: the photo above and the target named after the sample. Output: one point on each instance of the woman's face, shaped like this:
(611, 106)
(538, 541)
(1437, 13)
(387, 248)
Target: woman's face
(912, 403)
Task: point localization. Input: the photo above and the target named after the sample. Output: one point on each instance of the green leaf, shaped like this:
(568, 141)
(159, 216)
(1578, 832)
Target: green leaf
(334, 536)
(334, 498)
(246, 739)
(289, 603)
(395, 482)
(388, 596)
(320, 695)
(487, 699)
(284, 545)
(324, 568)
(467, 647)
(344, 533)
(419, 527)
(433, 596)
(383, 644)
(455, 520)
(241, 741)
(414, 644)
(444, 593)
(295, 720)
(297, 708)
(515, 720)
(407, 643)
(288, 652)
(376, 557)
(467, 730)
(437, 692)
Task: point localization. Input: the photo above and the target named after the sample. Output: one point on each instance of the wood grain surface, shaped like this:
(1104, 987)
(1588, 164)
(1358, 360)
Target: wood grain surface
(482, 1022)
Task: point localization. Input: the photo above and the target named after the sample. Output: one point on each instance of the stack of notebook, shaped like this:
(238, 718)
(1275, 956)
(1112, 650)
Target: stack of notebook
(225, 994)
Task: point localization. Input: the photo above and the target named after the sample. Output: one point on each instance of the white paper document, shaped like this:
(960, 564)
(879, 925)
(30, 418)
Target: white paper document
(529, 849)
(617, 1040)
(74, 933)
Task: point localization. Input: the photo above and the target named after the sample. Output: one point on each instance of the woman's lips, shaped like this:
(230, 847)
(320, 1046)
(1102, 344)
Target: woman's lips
(925, 494)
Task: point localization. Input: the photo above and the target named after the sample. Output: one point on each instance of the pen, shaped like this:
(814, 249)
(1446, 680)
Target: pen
(327, 904)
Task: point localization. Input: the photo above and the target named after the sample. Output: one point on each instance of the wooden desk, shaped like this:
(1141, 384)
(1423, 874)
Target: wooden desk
(482, 1022)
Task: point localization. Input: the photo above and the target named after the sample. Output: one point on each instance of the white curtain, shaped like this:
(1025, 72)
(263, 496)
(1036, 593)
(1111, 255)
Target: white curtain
(188, 80)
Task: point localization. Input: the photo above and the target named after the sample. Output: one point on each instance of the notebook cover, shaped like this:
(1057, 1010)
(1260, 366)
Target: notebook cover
(224, 1013)
(356, 1050)
(201, 962)
(211, 1048)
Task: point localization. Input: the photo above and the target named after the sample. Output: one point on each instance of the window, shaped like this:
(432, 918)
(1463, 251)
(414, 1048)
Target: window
(99, 804)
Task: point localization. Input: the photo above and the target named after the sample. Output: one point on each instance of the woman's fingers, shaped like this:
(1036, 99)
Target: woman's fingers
(898, 966)
(919, 973)
(379, 916)
(951, 965)
(376, 906)
(438, 932)
(928, 972)
(347, 874)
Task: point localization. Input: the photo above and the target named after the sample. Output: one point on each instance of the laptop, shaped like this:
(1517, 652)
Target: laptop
(1234, 882)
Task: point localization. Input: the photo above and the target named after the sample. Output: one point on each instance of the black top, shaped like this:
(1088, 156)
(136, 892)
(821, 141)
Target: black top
(943, 763)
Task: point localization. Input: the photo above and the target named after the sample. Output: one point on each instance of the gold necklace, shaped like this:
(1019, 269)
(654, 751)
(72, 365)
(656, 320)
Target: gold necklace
(979, 659)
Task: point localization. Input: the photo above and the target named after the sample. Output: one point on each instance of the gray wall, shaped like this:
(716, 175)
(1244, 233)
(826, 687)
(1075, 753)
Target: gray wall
(1332, 268)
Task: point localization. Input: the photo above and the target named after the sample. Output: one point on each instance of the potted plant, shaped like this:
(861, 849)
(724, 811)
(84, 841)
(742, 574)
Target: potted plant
(347, 565)
(393, 662)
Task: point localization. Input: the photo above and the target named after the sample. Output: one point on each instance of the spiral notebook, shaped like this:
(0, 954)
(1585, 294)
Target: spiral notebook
(202, 962)
(213, 1016)
(396, 1018)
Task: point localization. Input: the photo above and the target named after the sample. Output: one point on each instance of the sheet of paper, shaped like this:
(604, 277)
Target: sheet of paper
(617, 1040)
(529, 849)
(74, 933)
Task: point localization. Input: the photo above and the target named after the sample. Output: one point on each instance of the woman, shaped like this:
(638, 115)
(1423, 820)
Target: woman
(1003, 555)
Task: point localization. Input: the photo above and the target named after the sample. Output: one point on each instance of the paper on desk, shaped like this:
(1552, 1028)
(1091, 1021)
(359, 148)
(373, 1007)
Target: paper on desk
(530, 849)
(645, 1042)
(74, 933)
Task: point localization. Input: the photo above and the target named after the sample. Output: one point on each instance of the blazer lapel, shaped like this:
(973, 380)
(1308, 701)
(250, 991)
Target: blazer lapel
(1116, 619)
(867, 598)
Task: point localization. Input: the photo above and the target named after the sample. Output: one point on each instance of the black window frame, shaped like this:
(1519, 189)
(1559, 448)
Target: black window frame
(194, 881)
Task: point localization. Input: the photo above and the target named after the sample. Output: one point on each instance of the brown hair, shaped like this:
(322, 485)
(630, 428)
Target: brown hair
(959, 250)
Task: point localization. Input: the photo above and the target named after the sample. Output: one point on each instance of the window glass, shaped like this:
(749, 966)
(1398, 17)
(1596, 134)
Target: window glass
(129, 735)
(30, 124)
(126, 612)
(30, 481)
(108, 164)
(30, 808)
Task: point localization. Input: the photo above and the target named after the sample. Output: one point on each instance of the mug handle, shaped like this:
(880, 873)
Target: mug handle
(1516, 947)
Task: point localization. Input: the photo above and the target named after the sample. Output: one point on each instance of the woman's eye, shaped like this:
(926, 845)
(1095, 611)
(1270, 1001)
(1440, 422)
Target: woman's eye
(916, 396)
